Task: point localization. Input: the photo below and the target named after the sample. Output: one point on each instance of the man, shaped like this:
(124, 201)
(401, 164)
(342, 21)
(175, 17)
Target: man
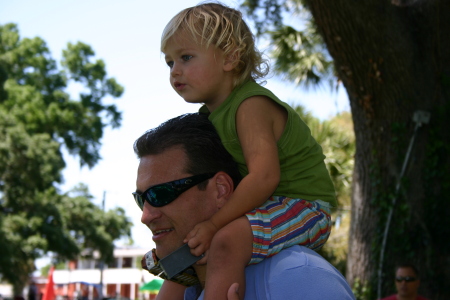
(32, 291)
(186, 159)
(407, 283)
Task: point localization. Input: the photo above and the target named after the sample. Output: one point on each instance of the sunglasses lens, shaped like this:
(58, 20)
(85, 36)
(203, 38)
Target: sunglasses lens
(161, 195)
(406, 279)
(139, 200)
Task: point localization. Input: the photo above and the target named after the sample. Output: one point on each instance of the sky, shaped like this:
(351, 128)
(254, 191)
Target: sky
(126, 35)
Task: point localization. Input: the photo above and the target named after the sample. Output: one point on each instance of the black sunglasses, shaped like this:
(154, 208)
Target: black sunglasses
(407, 279)
(164, 193)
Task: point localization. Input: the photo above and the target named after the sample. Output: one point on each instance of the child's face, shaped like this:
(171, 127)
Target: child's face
(197, 74)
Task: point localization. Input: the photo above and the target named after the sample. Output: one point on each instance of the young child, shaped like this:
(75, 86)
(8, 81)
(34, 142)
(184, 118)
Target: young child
(286, 193)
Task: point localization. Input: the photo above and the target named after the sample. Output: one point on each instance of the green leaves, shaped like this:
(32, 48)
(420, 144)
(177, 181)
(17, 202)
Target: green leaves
(76, 60)
(299, 53)
(38, 117)
(37, 96)
(27, 162)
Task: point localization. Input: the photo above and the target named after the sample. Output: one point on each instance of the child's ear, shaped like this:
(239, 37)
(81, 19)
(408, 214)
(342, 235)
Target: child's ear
(231, 61)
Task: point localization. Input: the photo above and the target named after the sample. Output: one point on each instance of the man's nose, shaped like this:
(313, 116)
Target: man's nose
(149, 214)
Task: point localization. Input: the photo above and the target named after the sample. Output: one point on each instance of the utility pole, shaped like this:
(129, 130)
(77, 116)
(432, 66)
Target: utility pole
(101, 263)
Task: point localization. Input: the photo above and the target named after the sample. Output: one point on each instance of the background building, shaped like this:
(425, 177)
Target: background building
(85, 279)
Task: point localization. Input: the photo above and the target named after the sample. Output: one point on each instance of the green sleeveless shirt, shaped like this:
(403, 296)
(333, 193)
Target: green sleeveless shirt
(303, 171)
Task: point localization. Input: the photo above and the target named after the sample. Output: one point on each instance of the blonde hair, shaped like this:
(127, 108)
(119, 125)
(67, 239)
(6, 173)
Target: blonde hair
(223, 27)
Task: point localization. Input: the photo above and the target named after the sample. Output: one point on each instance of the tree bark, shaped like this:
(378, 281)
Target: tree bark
(393, 59)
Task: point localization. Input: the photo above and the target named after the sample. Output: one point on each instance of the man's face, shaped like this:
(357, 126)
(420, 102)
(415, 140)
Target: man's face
(404, 288)
(171, 223)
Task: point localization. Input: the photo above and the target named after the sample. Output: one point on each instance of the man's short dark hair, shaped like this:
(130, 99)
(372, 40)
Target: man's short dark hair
(408, 265)
(199, 139)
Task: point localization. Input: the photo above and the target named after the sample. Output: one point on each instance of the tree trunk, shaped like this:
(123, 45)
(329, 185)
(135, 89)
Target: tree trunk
(394, 59)
(18, 290)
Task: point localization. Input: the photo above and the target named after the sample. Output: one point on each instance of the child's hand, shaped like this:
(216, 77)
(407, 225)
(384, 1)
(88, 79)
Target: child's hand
(204, 259)
(199, 239)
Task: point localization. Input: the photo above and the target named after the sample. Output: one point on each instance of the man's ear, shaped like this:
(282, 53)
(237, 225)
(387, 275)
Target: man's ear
(224, 188)
(231, 61)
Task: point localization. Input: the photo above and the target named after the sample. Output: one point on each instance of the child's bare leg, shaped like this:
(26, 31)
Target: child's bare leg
(171, 291)
(230, 252)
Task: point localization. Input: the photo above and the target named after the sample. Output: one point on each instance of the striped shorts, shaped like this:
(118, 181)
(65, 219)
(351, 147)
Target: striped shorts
(282, 222)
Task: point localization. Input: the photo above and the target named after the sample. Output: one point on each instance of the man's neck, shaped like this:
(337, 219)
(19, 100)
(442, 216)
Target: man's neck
(413, 297)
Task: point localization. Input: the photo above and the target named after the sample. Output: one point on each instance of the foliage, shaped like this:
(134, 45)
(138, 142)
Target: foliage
(437, 180)
(46, 269)
(37, 119)
(297, 50)
(361, 291)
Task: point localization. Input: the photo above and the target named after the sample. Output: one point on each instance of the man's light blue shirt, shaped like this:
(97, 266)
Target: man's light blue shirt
(294, 273)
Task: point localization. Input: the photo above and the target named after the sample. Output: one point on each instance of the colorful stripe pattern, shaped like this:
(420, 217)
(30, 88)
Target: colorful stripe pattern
(282, 222)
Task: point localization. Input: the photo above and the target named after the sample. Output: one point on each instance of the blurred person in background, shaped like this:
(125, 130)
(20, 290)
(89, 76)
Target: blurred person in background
(407, 283)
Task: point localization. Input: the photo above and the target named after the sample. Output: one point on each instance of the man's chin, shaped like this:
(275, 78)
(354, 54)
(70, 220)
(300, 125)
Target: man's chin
(162, 251)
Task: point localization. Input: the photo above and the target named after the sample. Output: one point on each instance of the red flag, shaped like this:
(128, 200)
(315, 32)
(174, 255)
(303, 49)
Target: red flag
(49, 293)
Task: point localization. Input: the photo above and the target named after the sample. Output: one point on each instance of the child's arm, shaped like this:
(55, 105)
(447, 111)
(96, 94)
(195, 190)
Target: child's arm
(260, 123)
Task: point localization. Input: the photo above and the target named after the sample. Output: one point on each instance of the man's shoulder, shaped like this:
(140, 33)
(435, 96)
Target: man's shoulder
(293, 271)
(298, 257)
